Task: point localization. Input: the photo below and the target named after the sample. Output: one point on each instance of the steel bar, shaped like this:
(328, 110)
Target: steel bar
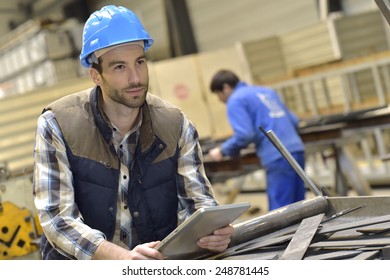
(351, 171)
(294, 164)
(384, 9)
(343, 212)
(278, 219)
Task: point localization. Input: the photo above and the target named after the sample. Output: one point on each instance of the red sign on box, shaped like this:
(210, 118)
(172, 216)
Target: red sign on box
(181, 91)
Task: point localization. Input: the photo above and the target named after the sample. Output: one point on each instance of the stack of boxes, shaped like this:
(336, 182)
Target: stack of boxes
(35, 55)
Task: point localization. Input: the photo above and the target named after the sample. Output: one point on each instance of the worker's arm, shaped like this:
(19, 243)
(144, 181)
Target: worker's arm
(109, 251)
(54, 195)
(194, 188)
(244, 132)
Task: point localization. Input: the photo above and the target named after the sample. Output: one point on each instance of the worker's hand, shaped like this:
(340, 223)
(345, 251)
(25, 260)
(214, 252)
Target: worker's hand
(216, 154)
(217, 242)
(146, 251)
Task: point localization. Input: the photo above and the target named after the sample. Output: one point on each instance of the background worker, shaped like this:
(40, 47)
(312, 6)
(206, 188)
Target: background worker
(116, 168)
(248, 108)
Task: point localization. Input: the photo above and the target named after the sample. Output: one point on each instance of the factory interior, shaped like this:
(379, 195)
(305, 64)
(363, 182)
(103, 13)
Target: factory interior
(329, 61)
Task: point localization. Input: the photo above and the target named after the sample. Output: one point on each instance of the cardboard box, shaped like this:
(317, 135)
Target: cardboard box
(178, 82)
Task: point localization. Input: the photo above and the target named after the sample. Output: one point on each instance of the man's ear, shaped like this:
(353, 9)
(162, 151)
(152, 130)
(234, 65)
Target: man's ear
(95, 76)
(226, 89)
(225, 86)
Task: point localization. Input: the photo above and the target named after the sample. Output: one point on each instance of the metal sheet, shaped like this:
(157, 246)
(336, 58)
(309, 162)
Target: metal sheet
(386, 253)
(375, 206)
(344, 212)
(285, 231)
(334, 255)
(385, 241)
(266, 243)
(298, 245)
(329, 228)
(370, 255)
(268, 255)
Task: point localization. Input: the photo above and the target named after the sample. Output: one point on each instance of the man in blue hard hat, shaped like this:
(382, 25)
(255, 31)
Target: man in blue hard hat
(116, 168)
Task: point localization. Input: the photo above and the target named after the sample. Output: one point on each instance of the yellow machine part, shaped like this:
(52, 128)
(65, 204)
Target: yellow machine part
(18, 228)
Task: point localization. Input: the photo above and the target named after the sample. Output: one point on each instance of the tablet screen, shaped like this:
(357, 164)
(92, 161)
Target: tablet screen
(182, 242)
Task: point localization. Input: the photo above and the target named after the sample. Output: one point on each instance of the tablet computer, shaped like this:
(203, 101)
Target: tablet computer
(181, 243)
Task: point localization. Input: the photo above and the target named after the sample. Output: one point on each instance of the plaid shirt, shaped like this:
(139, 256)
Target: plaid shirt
(59, 216)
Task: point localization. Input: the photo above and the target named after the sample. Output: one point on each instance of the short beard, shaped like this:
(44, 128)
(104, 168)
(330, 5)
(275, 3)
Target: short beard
(119, 97)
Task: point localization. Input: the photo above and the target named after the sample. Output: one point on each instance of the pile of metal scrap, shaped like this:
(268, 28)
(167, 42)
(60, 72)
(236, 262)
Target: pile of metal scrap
(314, 229)
(322, 228)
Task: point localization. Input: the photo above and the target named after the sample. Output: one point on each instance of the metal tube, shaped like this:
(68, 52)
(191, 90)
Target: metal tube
(278, 219)
(294, 164)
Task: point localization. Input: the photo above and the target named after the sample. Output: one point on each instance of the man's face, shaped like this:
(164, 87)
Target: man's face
(124, 78)
(224, 95)
(221, 96)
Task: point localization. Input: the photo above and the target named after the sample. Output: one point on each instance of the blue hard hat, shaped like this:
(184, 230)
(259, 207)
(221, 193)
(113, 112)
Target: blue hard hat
(111, 25)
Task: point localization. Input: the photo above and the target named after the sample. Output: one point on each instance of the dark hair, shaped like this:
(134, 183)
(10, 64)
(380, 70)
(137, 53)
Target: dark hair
(223, 77)
(97, 66)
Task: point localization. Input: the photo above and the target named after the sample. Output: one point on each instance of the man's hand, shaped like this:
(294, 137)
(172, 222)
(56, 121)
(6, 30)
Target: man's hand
(217, 242)
(146, 251)
(216, 154)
